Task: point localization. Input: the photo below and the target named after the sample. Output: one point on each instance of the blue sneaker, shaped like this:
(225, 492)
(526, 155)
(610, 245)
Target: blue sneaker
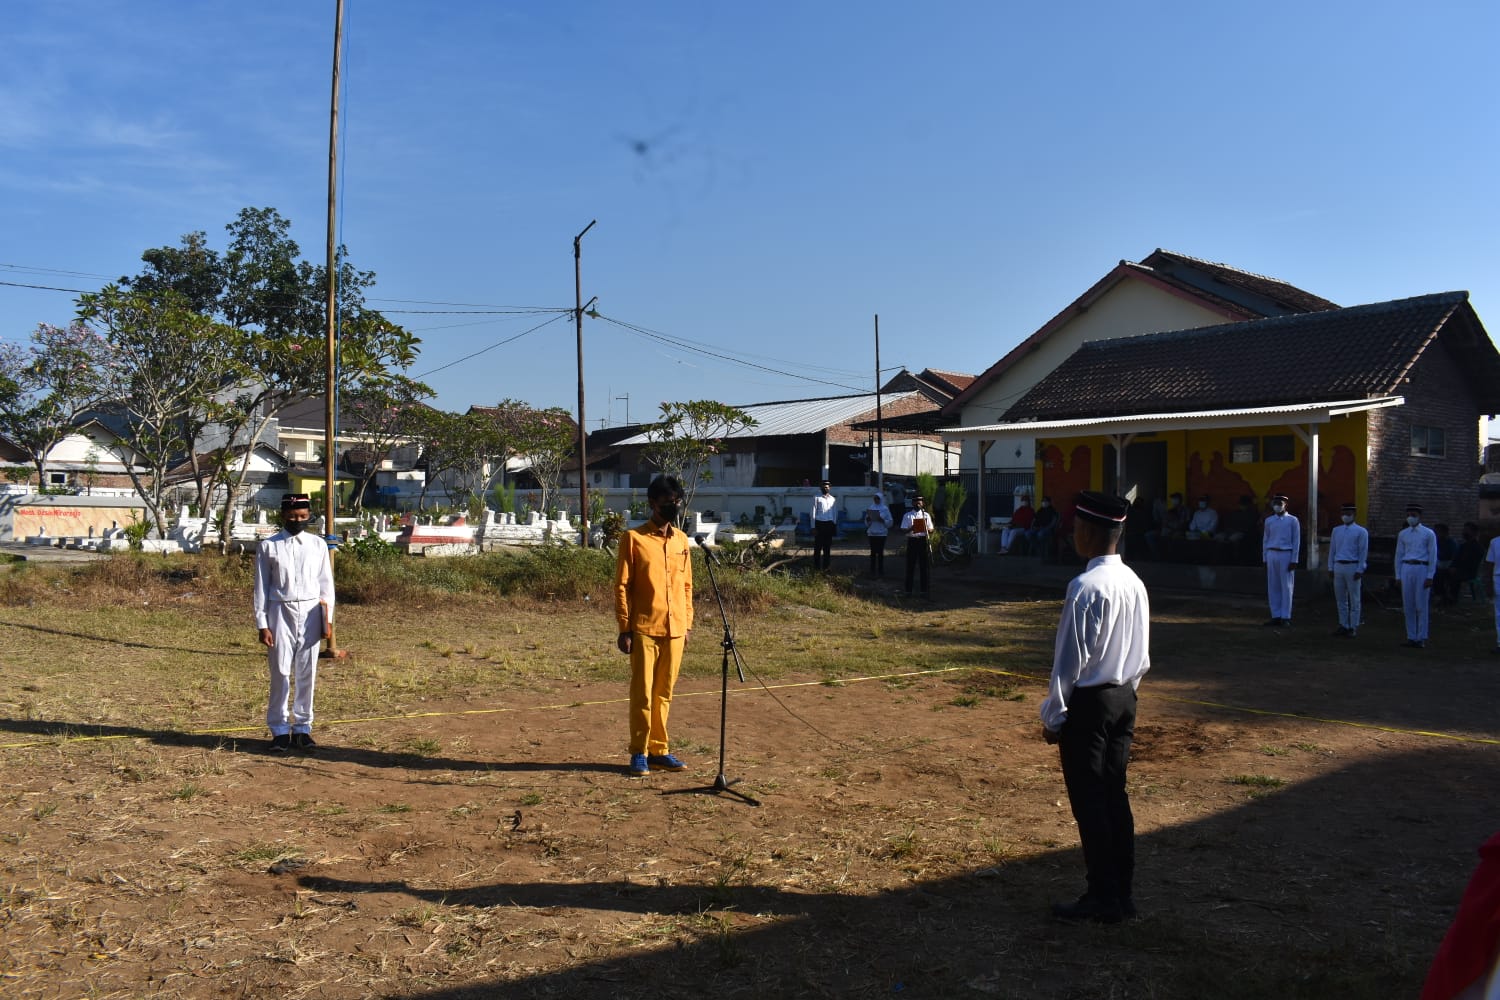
(666, 762)
(638, 766)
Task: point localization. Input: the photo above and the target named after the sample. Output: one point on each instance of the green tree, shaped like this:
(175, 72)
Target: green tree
(162, 361)
(546, 439)
(687, 436)
(44, 388)
(385, 414)
(275, 303)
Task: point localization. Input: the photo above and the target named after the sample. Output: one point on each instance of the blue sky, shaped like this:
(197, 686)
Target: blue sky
(765, 177)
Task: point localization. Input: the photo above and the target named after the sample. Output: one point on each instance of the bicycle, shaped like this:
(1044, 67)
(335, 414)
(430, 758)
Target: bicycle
(956, 544)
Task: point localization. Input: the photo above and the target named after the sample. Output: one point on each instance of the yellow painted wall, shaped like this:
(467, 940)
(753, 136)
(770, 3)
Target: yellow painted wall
(1203, 455)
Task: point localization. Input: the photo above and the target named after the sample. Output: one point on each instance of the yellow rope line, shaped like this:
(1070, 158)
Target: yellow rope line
(776, 687)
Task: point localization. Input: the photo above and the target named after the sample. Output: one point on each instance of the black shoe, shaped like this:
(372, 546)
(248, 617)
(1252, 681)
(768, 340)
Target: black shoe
(1341, 630)
(1099, 911)
(280, 744)
(1271, 623)
(1127, 907)
(1286, 623)
(304, 742)
(1351, 633)
(1414, 644)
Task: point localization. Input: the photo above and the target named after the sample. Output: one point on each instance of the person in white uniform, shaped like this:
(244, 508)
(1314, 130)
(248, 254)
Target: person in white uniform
(1349, 556)
(1101, 653)
(293, 602)
(1280, 541)
(1492, 558)
(1416, 565)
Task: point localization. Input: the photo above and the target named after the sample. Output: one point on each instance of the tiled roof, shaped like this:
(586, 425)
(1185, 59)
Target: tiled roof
(1286, 298)
(1358, 352)
(1228, 291)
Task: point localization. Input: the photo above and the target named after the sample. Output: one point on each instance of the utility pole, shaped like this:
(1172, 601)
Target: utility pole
(330, 406)
(583, 461)
(879, 430)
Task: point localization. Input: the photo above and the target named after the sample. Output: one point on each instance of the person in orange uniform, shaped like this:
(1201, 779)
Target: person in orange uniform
(654, 611)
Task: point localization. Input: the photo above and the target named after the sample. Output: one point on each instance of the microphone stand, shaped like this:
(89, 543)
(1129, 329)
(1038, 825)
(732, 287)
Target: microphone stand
(721, 784)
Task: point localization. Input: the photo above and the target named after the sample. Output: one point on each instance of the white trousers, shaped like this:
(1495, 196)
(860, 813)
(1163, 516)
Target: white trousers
(1497, 610)
(1416, 599)
(1279, 584)
(1347, 591)
(298, 630)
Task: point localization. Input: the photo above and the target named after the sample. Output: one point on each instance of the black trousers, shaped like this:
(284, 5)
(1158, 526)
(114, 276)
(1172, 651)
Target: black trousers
(1095, 747)
(877, 555)
(918, 558)
(823, 544)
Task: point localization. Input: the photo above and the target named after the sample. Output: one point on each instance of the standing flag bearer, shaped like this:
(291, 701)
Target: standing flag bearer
(1416, 565)
(1280, 541)
(1349, 554)
(293, 602)
(1101, 654)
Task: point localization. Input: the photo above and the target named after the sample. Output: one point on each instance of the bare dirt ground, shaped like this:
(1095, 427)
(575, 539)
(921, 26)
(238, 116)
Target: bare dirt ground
(1307, 809)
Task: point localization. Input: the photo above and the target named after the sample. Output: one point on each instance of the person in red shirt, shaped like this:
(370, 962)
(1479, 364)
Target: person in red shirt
(1020, 523)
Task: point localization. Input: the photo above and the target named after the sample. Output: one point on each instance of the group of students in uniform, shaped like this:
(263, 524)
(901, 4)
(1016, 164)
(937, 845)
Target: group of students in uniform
(1416, 563)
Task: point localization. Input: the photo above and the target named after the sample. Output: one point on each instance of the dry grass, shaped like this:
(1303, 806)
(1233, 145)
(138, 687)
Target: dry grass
(910, 832)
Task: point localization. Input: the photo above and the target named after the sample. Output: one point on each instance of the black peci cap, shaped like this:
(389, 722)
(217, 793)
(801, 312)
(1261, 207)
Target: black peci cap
(296, 501)
(1102, 508)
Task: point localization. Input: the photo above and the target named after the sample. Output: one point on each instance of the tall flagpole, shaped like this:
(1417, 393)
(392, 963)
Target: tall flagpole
(330, 393)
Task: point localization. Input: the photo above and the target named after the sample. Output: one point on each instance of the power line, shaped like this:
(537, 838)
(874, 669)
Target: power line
(45, 288)
(682, 345)
(508, 340)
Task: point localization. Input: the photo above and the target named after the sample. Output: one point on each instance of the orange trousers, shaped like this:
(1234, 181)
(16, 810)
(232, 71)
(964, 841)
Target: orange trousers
(654, 662)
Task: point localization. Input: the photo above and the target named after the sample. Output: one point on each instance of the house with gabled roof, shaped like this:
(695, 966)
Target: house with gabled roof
(1163, 291)
(1380, 405)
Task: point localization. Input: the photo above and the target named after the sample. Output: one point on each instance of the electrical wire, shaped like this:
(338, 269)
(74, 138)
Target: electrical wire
(663, 338)
(502, 343)
(695, 345)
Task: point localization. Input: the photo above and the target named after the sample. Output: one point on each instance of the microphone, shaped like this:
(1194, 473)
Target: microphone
(702, 539)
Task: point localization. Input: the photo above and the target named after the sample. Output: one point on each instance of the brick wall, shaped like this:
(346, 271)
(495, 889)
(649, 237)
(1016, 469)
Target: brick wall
(1437, 395)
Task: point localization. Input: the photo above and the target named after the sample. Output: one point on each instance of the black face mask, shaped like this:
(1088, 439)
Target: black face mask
(294, 527)
(668, 511)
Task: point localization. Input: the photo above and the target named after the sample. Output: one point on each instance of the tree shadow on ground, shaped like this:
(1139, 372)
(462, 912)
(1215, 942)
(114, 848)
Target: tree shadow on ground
(116, 641)
(1340, 886)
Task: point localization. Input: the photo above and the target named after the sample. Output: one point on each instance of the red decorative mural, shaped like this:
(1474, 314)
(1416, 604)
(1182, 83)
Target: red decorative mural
(1064, 480)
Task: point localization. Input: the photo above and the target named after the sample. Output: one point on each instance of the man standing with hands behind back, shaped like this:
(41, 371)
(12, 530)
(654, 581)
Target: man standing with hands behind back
(654, 611)
(1349, 553)
(1416, 565)
(293, 604)
(825, 519)
(1101, 654)
(1280, 541)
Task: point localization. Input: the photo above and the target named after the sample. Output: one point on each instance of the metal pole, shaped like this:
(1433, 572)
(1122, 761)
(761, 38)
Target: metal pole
(583, 462)
(879, 429)
(331, 389)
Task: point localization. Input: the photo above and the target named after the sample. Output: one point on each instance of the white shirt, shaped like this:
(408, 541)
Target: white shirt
(1349, 543)
(878, 520)
(825, 507)
(918, 522)
(1281, 531)
(291, 568)
(1417, 544)
(1205, 520)
(1104, 636)
(1493, 558)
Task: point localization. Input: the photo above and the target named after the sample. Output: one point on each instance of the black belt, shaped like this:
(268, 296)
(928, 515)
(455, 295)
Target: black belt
(1414, 562)
(1347, 562)
(1278, 550)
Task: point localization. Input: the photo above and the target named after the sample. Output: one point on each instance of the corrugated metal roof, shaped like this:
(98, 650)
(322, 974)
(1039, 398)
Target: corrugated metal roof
(799, 416)
(1241, 416)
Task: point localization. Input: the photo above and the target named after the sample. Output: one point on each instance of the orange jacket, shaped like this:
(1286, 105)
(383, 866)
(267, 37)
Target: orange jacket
(654, 582)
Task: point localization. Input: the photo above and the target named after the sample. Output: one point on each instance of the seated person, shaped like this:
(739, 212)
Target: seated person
(1240, 531)
(1020, 523)
(1039, 535)
(1170, 523)
(1204, 523)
